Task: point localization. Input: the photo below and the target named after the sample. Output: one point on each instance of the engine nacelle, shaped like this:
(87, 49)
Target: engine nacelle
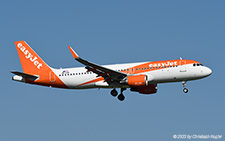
(150, 89)
(137, 80)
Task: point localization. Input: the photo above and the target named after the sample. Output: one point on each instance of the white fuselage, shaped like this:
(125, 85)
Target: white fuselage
(79, 78)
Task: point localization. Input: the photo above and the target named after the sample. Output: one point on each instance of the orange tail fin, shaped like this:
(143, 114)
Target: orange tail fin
(30, 61)
(32, 64)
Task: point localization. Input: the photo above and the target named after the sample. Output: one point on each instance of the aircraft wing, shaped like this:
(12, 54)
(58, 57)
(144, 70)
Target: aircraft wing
(109, 75)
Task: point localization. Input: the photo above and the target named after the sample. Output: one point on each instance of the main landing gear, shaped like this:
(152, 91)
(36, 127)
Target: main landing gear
(114, 93)
(185, 90)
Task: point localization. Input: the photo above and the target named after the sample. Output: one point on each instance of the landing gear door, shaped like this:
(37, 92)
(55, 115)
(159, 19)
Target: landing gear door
(183, 66)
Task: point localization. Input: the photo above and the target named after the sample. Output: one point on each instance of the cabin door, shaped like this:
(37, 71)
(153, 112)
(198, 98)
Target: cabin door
(183, 66)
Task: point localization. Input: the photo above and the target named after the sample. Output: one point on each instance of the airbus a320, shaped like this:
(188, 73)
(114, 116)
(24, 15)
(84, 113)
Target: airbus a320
(141, 77)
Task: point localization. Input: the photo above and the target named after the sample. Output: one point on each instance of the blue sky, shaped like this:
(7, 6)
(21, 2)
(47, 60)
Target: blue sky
(108, 32)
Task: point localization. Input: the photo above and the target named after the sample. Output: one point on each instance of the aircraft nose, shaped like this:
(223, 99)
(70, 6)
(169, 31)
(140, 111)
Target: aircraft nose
(208, 71)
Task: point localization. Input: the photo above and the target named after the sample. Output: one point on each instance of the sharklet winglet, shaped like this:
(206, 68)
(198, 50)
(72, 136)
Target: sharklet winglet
(73, 53)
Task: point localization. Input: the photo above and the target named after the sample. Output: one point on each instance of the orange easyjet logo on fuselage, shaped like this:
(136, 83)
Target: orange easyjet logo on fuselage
(168, 63)
(29, 56)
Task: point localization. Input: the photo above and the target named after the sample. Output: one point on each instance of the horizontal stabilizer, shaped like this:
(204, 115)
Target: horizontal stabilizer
(24, 75)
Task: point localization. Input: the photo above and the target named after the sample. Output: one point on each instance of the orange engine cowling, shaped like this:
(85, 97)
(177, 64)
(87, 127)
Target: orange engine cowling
(137, 80)
(150, 89)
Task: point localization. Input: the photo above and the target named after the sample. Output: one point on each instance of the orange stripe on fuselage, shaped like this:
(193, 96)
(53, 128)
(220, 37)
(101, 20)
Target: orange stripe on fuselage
(156, 65)
(92, 81)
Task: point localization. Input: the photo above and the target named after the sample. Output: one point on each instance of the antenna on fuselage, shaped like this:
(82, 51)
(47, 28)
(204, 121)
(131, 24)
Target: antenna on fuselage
(181, 58)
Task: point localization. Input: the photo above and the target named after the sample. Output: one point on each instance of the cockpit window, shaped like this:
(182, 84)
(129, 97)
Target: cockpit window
(197, 64)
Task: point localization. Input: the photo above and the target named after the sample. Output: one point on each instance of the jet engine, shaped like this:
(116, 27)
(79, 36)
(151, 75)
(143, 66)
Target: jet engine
(136, 80)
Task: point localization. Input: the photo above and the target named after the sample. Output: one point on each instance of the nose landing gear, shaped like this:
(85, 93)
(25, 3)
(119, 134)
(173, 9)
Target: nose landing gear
(185, 90)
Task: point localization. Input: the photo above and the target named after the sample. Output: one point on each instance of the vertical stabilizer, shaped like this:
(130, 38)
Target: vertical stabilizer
(30, 61)
(32, 64)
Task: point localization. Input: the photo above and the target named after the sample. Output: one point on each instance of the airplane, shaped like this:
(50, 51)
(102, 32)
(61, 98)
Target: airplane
(141, 77)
